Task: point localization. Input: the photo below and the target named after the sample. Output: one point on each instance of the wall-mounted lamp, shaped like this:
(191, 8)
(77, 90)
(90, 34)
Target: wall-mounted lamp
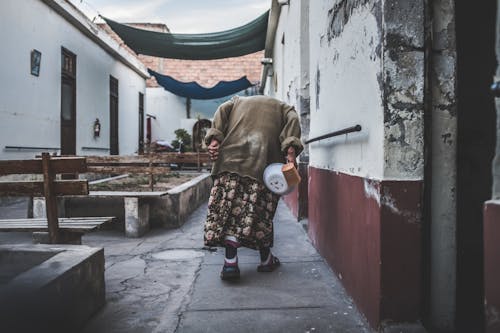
(36, 59)
(97, 128)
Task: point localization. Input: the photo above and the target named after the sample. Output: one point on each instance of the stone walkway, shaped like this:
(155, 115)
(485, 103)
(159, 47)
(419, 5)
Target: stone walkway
(166, 282)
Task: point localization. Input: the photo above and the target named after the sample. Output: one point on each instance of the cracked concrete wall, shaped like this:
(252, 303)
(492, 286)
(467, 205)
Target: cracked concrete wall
(366, 66)
(403, 89)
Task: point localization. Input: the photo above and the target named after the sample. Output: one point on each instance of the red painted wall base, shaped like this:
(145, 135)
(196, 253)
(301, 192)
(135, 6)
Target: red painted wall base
(369, 231)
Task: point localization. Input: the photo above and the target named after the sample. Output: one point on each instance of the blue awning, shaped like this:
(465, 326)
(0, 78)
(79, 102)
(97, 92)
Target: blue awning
(195, 91)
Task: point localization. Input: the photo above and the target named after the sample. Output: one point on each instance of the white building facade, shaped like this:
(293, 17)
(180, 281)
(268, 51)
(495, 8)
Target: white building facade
(85, 95)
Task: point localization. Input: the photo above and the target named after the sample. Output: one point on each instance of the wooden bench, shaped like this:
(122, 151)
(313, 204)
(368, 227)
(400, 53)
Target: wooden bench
(72, 224)
(50, 229)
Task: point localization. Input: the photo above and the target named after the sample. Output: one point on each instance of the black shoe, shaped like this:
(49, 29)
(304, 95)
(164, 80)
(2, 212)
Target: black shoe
(230, 273)
(274, 263)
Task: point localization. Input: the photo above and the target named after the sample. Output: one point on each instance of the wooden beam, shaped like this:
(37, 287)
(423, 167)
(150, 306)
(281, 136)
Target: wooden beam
(68, 165)
(116, 159)
(71, 187)
(155, 170)
(164, 158)
(58, 165)
(61, 187)
(20, 167)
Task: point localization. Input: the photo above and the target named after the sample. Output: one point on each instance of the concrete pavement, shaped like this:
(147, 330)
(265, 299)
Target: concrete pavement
(167, 282)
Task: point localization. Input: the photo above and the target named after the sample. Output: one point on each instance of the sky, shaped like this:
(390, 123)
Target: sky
(181, 16)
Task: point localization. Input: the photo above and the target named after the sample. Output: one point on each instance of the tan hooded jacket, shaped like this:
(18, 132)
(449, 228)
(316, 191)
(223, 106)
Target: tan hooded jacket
(253, 132)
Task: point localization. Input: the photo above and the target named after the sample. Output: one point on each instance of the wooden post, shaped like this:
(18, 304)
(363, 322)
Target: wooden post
(199, 164)
(50, 199)
(151, 179)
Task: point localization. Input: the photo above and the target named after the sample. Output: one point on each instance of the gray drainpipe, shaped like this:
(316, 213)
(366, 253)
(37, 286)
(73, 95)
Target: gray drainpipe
(272, 26)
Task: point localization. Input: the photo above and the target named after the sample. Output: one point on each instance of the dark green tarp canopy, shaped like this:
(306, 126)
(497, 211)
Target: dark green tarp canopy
(246, 39)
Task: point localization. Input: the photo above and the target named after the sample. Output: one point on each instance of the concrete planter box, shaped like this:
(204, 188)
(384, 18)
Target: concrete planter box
(164, 210)
(172, 210)
(50, 288)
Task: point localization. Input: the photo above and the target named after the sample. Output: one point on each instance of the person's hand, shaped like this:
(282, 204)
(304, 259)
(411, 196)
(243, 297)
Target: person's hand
(213, 149)
(290, 156)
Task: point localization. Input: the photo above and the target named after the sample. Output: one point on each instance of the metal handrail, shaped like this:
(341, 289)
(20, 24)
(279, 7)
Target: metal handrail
(355, 128)
(95, 148)
(30, 148)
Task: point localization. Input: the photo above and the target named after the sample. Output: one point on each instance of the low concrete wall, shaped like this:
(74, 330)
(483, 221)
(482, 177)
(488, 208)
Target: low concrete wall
(172, 211)
(16, 207)
(169, 211)
(58, 292)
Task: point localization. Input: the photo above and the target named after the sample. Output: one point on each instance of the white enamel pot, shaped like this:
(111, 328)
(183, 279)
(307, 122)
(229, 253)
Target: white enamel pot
(275, 180)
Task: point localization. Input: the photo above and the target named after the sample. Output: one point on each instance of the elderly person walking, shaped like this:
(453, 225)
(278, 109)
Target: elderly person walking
(248, 134)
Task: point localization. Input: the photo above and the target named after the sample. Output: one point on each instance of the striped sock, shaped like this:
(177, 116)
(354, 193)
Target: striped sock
(231, 262)
(231, 241)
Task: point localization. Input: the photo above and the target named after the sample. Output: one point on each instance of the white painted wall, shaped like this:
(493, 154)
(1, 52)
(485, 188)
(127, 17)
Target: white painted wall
(345, 92)
(188, 124)
(286, 62)
(344, 87)
(169, 110)
(30, 106)
(288, 78)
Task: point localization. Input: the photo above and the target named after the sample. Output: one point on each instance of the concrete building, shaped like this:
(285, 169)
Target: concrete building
(75, 90)
(397, 208)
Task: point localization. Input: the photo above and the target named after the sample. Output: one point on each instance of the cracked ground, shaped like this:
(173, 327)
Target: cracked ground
(168, 282)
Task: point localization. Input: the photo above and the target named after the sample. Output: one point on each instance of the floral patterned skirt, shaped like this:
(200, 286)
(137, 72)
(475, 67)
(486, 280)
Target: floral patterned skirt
(240, 207)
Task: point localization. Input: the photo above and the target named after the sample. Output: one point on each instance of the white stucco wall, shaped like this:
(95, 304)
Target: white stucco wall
(287, 54)
(30, 105)
(168, 109)
(344, 92)
(93, 69)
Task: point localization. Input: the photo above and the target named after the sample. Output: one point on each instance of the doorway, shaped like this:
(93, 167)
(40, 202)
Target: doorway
(113, 116)
(141, 123)
(68, 102)
(476, 132)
